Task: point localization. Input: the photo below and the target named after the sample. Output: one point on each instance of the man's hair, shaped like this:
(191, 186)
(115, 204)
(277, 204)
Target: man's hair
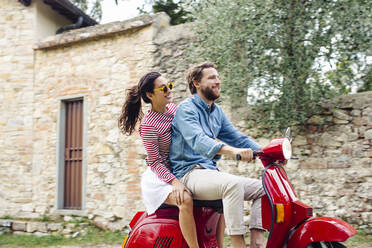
(195, 74)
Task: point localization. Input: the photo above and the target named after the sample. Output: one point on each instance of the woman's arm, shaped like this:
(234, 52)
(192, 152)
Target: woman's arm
(150, 139)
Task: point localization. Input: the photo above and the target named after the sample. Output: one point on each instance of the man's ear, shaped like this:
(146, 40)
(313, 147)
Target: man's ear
(196, 84)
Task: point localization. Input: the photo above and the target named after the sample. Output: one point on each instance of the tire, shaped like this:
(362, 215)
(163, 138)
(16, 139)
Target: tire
(326, 244)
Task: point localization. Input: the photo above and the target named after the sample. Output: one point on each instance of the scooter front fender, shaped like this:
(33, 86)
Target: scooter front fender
(320, 229)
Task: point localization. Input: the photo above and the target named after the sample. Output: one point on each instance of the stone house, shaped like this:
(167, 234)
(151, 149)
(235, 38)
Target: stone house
(61, 152)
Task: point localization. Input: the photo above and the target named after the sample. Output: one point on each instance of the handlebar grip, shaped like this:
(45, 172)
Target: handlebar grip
(255, 154)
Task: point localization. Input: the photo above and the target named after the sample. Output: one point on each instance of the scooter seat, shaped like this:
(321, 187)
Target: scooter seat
(215, 204)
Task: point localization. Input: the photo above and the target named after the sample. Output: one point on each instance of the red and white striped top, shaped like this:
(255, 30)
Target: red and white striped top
(155, 131)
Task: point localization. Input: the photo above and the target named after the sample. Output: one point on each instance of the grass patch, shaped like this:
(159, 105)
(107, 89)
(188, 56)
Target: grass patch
(45, 219)
(361, 238)
(97, 236)
(94, 236)
(77, 221)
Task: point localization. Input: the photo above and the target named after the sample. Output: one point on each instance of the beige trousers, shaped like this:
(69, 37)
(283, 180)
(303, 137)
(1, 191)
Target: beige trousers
(206, 184)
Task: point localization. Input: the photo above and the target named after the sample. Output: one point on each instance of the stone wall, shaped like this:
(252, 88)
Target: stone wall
(68, 227)
(79, 64)
(333, 173)
(169, 57)
(97, 64)
(16, 96)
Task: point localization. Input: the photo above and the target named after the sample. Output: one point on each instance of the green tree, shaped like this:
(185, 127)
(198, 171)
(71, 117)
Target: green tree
(178, 11)
(91, 7)
(367, 81)
(286, 56)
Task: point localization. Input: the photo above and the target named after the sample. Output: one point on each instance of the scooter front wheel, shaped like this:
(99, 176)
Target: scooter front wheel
(326, 244)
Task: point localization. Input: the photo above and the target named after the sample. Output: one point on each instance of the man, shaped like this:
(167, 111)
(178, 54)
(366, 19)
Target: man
(194, 151)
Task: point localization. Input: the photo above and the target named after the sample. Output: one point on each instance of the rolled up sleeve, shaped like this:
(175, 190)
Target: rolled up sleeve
(231, 136)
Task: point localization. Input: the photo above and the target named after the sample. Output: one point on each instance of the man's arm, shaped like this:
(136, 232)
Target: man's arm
(231, 136)
(186, 121)
(246, 154)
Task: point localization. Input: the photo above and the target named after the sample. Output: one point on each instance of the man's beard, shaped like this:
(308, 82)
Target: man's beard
(209, 94)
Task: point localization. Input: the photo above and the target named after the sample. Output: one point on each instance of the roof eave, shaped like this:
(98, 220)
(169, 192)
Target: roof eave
(67, 9)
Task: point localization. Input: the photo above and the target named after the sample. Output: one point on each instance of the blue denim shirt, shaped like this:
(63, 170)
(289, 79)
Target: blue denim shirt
(195, 128)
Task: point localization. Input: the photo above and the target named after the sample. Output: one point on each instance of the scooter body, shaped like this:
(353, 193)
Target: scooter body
(161, 229)
(288, 220)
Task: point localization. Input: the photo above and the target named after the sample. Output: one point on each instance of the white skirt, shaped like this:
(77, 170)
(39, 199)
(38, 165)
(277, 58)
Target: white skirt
(154, 190)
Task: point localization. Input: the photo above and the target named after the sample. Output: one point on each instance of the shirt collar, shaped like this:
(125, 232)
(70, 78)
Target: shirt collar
(201, 103)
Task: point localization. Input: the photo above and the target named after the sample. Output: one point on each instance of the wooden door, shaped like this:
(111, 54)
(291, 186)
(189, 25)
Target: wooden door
(73, 155)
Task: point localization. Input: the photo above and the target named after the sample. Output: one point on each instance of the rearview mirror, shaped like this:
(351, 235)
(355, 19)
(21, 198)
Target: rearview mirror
(288, 134)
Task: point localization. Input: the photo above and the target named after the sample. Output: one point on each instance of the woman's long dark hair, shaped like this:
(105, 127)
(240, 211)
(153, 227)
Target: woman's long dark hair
(131, 111)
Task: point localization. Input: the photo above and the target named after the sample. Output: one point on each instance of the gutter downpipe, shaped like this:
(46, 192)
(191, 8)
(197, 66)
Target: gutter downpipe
(76, 25)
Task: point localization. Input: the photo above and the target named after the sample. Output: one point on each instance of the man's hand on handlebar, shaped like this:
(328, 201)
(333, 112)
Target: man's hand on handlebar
(246, 154)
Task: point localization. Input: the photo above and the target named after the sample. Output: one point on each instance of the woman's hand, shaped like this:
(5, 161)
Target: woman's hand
(178, 189)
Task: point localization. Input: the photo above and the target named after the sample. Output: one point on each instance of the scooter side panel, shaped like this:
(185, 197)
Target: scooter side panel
(161, 229)
(320, 229)
(265, 212)
(160, 233)
(277, 192)
(207, 220)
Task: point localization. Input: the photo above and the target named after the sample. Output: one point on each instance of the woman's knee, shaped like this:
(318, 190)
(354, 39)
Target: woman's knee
(187, 202)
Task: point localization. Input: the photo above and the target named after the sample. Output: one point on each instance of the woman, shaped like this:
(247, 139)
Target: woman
(158, 184)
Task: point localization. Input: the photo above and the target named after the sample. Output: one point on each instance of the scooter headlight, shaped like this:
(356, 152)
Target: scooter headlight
(287, 149)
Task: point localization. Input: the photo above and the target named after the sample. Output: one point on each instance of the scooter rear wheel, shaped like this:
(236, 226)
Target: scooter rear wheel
(326, 244)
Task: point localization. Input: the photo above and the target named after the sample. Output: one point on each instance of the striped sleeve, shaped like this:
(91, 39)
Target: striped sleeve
(150, 141)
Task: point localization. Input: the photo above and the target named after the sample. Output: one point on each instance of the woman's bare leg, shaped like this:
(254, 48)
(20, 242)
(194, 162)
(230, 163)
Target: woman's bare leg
(186, 218)
(220, 232)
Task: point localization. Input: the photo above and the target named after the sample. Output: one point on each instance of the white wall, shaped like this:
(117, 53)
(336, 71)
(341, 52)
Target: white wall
(47, 21)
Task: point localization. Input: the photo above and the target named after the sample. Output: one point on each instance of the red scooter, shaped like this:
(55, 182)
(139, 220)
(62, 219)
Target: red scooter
(288, 220)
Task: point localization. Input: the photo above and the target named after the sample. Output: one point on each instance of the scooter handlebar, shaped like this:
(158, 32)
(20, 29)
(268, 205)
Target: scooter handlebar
(255, 154)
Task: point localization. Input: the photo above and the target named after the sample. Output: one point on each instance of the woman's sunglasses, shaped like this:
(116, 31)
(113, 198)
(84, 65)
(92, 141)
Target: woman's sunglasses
(165, 88)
